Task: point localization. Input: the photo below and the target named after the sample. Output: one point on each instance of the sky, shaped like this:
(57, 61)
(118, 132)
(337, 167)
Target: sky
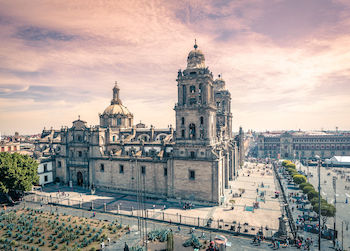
(285, 62)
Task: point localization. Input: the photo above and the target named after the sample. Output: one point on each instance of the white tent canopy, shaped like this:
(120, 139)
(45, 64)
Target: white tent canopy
(339, 160)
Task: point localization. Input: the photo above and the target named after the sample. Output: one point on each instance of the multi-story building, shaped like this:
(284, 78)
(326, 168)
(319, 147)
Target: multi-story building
(303, 145)
(9, 146)
(193, 162)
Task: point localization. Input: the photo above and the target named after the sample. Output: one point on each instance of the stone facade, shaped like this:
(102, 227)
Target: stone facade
(193, 162)
(303, 145)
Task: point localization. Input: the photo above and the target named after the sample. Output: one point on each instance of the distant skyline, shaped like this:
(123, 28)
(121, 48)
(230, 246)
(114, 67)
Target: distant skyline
(285, 62)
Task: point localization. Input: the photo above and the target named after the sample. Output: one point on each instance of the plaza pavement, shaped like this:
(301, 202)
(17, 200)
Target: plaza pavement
(132, 239)
(251, 177)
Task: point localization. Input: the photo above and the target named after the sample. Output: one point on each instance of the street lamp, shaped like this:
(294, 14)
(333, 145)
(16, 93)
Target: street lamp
(319, 201)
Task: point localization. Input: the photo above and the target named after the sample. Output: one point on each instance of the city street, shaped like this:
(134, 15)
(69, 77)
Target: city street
(327, 192)
(298, 211)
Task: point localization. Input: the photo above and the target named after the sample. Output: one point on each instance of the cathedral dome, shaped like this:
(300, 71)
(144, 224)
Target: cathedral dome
(114, 109)
(195, 58)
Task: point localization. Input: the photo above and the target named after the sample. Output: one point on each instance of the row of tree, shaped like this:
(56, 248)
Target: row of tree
(17, 172)
(327, 209)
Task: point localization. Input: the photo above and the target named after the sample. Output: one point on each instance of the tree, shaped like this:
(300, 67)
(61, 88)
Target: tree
(327, 210)
(299, 179)
(307, 189)
(17, 172)
(312, 194)
(304, 184)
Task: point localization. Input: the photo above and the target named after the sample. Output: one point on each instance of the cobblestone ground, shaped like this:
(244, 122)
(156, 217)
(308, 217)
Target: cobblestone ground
(235, 243)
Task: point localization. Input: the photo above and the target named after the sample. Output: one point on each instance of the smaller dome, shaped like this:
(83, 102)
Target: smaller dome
(116, 109)
(195, 58)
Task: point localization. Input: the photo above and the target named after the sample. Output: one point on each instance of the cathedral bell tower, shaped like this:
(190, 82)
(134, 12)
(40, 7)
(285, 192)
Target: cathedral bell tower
(196, 108)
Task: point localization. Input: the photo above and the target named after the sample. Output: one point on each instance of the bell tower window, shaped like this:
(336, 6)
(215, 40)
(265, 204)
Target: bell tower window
(192, 89)
(192, 128)
(183, 133)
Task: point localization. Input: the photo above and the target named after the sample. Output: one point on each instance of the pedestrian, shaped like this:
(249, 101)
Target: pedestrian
(126, 247)
(102, 245)
(179, 228)
(109, 241)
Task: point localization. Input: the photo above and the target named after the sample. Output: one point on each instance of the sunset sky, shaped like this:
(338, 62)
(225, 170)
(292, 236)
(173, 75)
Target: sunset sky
(286, 63)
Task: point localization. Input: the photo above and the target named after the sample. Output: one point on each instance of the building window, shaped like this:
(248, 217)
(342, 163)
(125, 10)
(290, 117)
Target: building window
(129, 122)
(183, 133)
(182, 121)
(79, 138)
(192, 128)
(45, 168)
(202, 120)
(121, 168)
(193, 101)
(192, 175)
(165, 171)
(59, 164)
(119, 121)
(46, 178)
(183, 94)
(143, 170)
(80, 154)
(192, 155)
(102, 168)
(192, 89)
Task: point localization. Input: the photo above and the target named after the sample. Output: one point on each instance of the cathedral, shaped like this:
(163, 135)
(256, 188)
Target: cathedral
(192, 162)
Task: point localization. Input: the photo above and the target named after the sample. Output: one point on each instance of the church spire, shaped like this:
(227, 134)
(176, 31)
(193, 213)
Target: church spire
(195, 44)
(116, 100)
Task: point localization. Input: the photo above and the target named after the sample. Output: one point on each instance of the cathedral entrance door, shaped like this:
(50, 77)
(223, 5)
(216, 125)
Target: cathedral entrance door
(80, 179)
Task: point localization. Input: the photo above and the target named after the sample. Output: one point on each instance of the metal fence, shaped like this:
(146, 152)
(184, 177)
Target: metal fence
(237, 228)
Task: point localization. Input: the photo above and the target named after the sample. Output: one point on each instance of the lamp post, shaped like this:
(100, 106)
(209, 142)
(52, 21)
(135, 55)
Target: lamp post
(319, 201)
(335, 205)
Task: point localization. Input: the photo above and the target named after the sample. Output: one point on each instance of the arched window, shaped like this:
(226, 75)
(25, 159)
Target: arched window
(182, 121)
(192, 89)
(192, 128)
(183, 133)
(113, 138)
(202, 120)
